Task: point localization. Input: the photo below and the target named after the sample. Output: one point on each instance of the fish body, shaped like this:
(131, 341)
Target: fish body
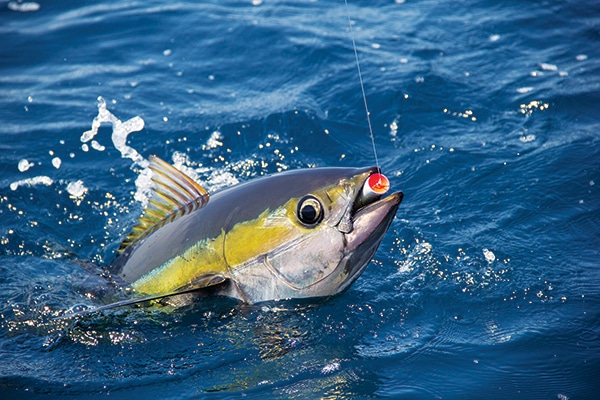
(302, 233)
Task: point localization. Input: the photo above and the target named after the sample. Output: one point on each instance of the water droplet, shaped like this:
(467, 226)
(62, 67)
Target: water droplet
(489, 255)
(56, 161)
(24, 165)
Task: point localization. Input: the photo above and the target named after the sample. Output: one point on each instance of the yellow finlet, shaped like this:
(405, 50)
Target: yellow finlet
(174, 195)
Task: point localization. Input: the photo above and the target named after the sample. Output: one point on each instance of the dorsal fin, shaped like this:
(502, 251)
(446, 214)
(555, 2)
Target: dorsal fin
(174, 195)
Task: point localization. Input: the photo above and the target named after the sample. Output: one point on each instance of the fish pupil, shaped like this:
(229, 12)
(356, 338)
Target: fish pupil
(309, 213)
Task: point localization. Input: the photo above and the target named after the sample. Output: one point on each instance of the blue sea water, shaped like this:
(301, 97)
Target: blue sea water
(485, 114)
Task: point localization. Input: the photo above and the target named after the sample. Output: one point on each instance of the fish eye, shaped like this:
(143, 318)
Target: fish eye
(310, 211)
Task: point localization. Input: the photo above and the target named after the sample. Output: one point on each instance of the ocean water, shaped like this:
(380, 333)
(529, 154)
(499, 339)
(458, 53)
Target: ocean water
(485, 114)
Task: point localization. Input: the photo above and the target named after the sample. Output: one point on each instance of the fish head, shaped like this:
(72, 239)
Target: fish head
(316, 242)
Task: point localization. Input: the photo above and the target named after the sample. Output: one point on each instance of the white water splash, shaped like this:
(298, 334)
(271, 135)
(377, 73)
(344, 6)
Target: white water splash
(525, 89)
(181, 161)
(489, 255)
(36, 180)
(216, 180)
(26, 6)
(120, 131)
(97, 146)
(548, 67)
(527, 138)
(119, 134)
(144, 186)
(220, 179)
(76, 189)
(329, 368)
(215, 140)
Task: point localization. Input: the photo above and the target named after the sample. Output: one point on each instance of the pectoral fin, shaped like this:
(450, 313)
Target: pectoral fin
(203, 282)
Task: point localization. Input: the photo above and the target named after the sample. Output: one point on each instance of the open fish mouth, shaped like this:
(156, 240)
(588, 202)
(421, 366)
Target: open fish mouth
(372, 213)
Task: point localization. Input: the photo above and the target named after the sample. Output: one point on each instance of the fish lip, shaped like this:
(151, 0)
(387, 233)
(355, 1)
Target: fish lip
(395, 198)
(391, 202)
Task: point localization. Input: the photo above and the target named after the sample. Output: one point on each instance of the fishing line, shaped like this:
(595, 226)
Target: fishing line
(362, 86)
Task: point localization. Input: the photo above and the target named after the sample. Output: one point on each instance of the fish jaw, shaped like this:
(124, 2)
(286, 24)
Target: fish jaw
(372, 221)
(370, 224)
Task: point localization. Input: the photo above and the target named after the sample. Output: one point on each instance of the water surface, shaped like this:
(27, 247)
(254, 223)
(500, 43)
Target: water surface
(485, 115)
